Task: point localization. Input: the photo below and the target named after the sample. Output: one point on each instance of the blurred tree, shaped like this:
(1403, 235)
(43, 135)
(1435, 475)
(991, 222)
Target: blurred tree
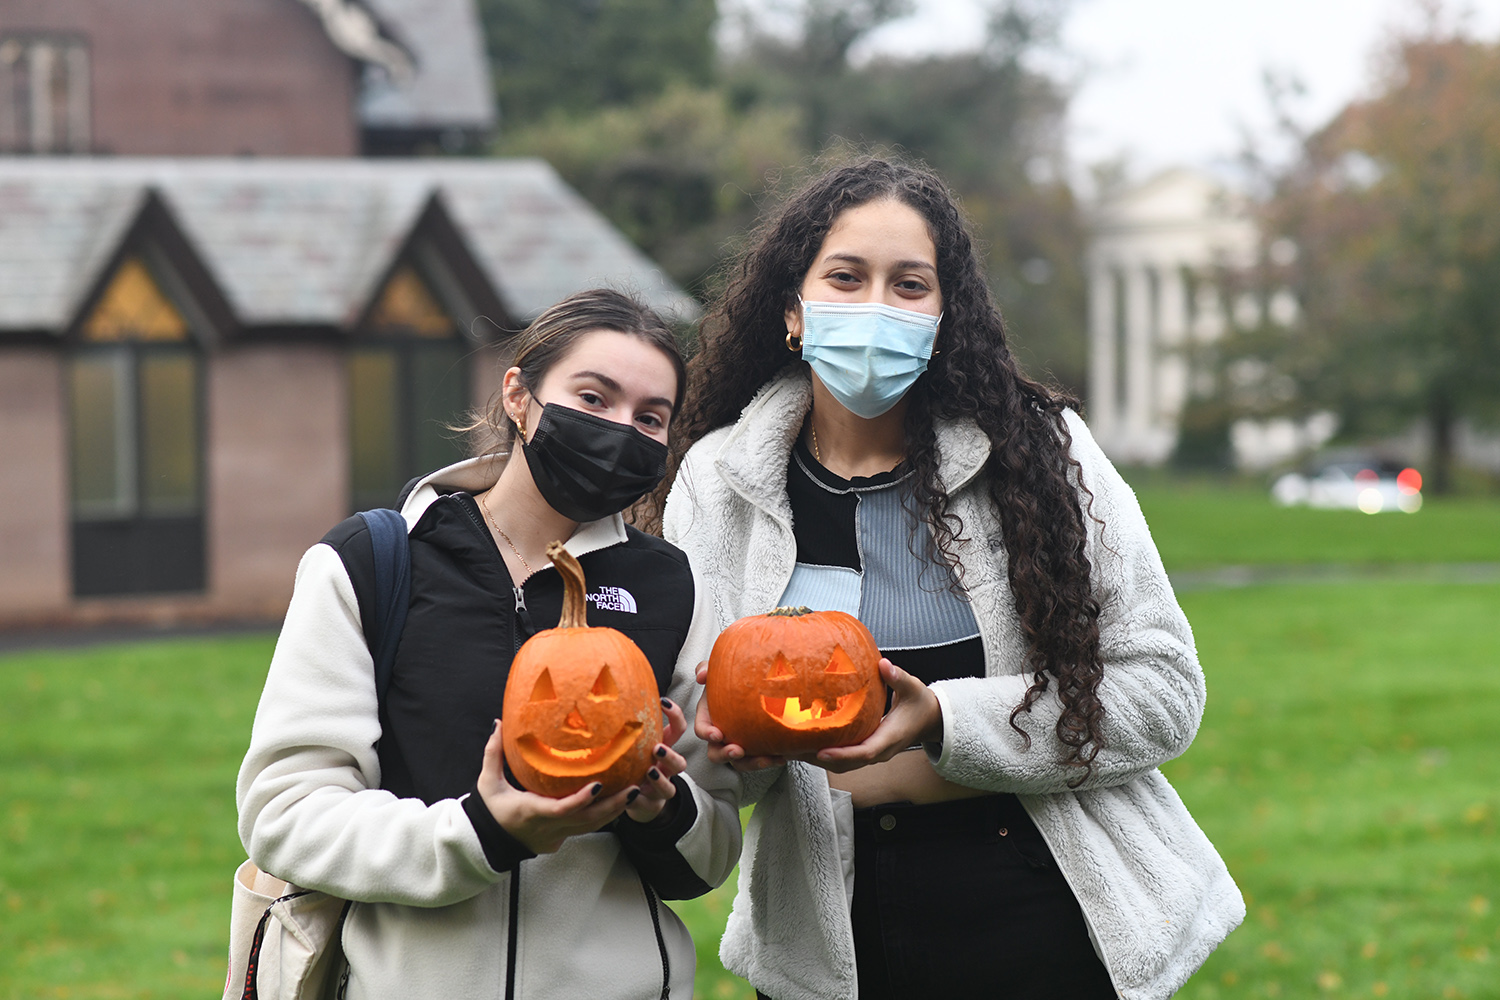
(678, 173)
(1392, 213)
(579, 56)
(681, 153)
(985, 120)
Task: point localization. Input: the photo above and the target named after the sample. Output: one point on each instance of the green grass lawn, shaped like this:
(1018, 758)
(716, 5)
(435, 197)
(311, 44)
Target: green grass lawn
(1346, 769)
(117, 836)
(1200, 524)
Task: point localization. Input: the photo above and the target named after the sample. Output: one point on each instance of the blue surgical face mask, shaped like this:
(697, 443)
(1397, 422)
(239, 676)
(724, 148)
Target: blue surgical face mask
(866, 353)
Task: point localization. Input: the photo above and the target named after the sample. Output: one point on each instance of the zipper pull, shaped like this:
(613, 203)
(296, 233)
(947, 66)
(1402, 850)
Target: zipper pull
(520, 600)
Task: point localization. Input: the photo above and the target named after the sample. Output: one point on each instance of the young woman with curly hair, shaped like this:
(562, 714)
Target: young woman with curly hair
(858, 436)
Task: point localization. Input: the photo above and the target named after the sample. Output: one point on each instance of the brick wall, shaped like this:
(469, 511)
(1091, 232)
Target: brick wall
(278, 468)
(206, 77)
(33, 485)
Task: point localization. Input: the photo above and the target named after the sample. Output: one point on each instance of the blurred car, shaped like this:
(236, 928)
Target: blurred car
(1369, 484)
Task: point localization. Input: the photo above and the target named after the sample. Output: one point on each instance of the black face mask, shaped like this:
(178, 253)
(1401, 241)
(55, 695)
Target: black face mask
(587, 467)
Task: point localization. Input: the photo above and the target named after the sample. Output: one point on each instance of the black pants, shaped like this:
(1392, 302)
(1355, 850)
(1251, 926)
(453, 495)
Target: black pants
(962, 899)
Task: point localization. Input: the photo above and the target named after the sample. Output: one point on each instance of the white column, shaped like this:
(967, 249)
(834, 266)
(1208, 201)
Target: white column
(1138, 402)
(1172, 362)
(1103, 407)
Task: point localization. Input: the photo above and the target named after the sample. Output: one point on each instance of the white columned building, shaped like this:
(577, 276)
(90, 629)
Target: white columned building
(1153, 250)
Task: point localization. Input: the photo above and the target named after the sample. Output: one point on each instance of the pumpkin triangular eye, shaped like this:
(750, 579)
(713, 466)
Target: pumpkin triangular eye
(840, 663)
(543, 691)
(604, 686)
(780, 669)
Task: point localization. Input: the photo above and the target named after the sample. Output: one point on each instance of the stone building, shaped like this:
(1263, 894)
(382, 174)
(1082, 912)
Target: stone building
(1153, 250)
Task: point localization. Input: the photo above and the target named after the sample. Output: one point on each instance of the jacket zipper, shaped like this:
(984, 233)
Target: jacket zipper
(513, 933)
(661, 942)
(520, 617)
(521, 624)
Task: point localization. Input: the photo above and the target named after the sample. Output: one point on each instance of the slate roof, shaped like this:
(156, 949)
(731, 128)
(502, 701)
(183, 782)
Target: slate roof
(451, 86)
(303, 242)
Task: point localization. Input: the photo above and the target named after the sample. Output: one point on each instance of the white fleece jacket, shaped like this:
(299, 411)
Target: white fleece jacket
(431, 917)
(1156, 895)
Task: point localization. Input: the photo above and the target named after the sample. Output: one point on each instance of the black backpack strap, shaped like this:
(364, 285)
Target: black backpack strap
(392, 590)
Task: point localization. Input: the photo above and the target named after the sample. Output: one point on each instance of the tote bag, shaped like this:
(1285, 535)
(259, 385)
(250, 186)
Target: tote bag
(284, 941)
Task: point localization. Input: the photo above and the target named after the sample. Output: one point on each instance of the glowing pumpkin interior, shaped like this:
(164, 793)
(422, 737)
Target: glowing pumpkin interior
(795, 681)
(831, 705)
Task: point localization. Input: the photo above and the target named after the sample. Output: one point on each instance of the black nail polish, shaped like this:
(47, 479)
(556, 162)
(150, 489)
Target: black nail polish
(666, 703)
(654, 774)
(635, 793)
(661, 751)
(598, 787)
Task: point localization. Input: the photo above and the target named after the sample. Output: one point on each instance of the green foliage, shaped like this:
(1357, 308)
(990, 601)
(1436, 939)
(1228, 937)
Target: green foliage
(684, 163)
(1393, 209)
(1203, 441)
(578, 56)
(678, 173)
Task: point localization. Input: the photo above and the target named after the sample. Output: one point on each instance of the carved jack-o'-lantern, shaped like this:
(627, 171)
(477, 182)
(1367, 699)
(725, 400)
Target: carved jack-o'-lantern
(581, 703)
(795, 681)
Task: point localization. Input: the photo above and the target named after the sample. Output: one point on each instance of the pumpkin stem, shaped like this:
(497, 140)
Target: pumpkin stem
(575, 606)
(796, 612)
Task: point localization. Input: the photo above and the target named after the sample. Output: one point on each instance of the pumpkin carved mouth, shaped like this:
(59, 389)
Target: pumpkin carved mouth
(588, 760)
(815, 713)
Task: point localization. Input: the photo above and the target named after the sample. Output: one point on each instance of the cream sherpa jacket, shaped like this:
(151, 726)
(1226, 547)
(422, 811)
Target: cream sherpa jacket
(1155, 894)
(432, 919)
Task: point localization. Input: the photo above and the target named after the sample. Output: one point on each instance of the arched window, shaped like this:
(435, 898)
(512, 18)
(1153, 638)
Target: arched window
(136, 442)
(409, 381)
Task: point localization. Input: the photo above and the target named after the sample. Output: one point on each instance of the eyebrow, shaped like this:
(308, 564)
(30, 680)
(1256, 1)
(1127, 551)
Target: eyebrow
(900, 265)
(614, 386)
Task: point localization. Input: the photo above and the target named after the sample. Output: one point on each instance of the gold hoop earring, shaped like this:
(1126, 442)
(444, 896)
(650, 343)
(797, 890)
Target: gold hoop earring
(520, 423)
(793, 347)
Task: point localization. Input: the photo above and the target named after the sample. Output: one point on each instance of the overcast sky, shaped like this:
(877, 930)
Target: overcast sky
(1168, 82)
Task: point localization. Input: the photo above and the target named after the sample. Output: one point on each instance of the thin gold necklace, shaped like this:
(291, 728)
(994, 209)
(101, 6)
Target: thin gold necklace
(491, 519)
(814, 428)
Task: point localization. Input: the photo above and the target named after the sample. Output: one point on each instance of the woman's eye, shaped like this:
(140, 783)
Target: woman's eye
(843, 278)
(591, 398)
(913, 285)
(650, 420)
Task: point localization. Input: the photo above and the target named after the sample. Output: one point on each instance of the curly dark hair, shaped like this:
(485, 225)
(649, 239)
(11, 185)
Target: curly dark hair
(1033, 481)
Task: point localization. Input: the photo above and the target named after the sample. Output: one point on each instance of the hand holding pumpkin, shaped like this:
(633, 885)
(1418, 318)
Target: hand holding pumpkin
(657, 790)
(719, 751)
(916, 716)
(540, 822)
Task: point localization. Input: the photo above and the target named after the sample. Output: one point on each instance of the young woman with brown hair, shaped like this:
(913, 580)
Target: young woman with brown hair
(462, 883)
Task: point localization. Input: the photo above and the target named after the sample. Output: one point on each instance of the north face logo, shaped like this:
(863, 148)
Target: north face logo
(613, 599)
